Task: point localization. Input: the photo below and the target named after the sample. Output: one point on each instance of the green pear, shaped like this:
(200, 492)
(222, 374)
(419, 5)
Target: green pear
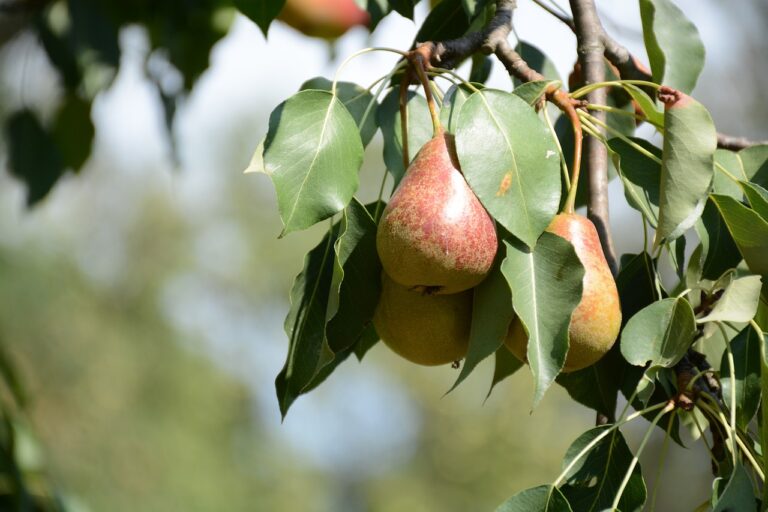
(424, 329)
(596, 321)
(434, 235)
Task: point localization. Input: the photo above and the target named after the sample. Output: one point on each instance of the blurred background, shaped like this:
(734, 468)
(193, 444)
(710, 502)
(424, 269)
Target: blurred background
(142, 300)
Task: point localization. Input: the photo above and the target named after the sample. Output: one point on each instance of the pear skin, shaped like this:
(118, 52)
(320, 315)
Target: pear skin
(596, 321)
(327, 19)
(434, 234)
(425, 329)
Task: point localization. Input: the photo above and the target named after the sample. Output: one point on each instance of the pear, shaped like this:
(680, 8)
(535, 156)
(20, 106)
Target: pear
(596, 321)
(425, 329)
(434, 235)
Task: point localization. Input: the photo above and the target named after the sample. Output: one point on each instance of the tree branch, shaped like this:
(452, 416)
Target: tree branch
(591, 48)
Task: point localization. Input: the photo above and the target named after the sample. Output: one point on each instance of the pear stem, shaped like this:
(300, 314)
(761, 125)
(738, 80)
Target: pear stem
(420, 65)
(565, 103)
(404, 120)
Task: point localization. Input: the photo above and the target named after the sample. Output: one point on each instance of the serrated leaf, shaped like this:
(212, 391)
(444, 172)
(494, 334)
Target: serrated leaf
(505, 364)
(595, 478)
(33, 155)
(510, 159)
(544, 498)
(746, 357)
(673, 44)
(359, 102)
(313, 154)
(491, 315)
(749, 231)
(718, 250)
(546, 286)
(738, 493)
(687, 167)
(419, 129)
(640, 175)
(447, 20)
(659, 333)
(738, 303)
(73, 131)
(261, 12)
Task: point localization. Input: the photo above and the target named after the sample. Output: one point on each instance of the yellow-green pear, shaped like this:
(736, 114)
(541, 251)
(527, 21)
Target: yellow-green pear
(424, 329)
(596, 321)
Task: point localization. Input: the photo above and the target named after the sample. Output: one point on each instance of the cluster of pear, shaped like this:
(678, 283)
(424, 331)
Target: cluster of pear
(436, 243)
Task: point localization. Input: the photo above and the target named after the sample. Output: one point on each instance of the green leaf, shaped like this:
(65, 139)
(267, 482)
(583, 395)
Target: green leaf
(377, 10)
(739, 301)
(473, 8)
(640, 175)
(531, 92)
(757, 197)
(312, 153)
(505, 365)
(261, 12)
(746, 357)
(73, 131)
(482, 65)
(419, 129)
(33, 155)
(491, 315)
(718, 250)
(673, 44)
(646, 104)
(738, 494)
(366, 342)
(636, 284)
(359, 102)
(510, 160)
(749, 231)
(544, 498)
(659, 333)
(305, 323)
(356, 282)
(454, 99)
(546, 286)
(446, 21)
(595, 478)
(724, 184)
(687, 167)
(256, 165)
(537, 61)
(755, 162)
(597, 386)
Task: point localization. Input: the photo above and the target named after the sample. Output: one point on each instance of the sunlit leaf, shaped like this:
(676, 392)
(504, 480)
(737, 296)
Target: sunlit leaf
(749, 231)
(659, 333)
(454, 99)
(757, 197)
(312, 153)
(544, 498)
(755, 162)
(531, 92)
(419, 129)
(673, 44)
(738, 303)
(510, 160)
(546, 286)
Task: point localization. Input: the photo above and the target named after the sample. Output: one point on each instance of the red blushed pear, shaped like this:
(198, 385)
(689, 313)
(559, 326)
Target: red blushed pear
(596, 321)
(328, 19)
(434, 235)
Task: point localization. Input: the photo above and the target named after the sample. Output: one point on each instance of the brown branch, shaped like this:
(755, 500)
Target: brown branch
(591, 48)
(736, 143)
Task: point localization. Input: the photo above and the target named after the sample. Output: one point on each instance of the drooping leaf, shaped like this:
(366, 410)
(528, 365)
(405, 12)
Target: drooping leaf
(737, 494)
(359, 102)
(546, 285)
(646, 104)
(366, 342)
(261, 12)
(312, 153)
(739, 301)
(595, 478)
(640, 175)
(33, 155)
(505, 365)
(659, 333)
(749, 231)
(491, 315)
(673, 44)
(73, 131)
(687, 167)
(454, 99)
(719, 251)
(446, 21)
(510, 160)
(746, 357)
(305, 323)
(544, 498)
(419, 129)
(636, 284)
(597, 386)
